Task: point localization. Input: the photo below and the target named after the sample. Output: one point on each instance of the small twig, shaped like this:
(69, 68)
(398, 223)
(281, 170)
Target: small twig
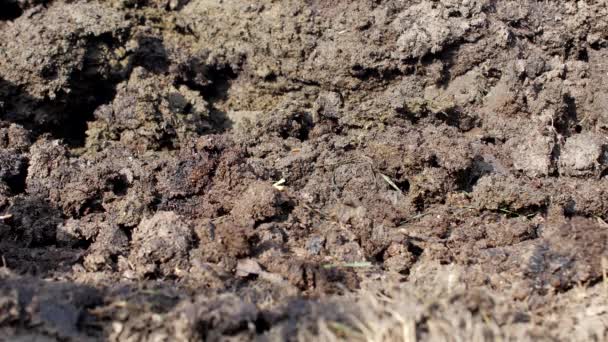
(6, 216)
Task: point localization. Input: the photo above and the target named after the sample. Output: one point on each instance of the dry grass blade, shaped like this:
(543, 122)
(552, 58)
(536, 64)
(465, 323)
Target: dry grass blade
(344, 331)
(604, 263)
(391, 183)
(279, 185)
(350, 264)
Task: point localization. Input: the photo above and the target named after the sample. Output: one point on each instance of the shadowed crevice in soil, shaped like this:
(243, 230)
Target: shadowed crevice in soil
(215, 88)
(569, 125)
(151, 54)
(17, 183)
(70, 112)
(91, 93)
(217, 91)
(10, 10)
(367, 74)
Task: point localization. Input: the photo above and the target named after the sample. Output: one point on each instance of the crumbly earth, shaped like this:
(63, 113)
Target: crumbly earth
(179, 170)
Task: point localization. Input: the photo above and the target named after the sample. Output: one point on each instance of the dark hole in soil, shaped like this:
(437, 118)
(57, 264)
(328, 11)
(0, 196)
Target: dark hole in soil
(73, 128)
(17, 183)
(567, 123)
(156, 202)
(166, 142)
(569, 208)
(114, 258)
(365, 73)
(526, 212)
(596, 46)
(515, 24)
(434, 162)
(357, 69)
(403, 185)
(555, 154)
(466, 179)
(219, 83)
(118, 185)
(591, 282)
(303, 123)
(571, 109)
(286, 209)
(378, 257)
(455, 14)
(270, 78)
(10, 11)
(419, 204)
(261, 324)
(83, 244)
(127, 231)
(152, 55)
(415, 250)
(489, 140)
(456, 118)
(188, 108)
(91, 205)
(583, 55)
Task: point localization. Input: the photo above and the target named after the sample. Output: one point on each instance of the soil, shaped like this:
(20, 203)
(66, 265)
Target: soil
(299, 170)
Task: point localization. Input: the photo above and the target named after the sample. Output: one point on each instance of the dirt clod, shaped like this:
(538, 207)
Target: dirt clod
(160, 244)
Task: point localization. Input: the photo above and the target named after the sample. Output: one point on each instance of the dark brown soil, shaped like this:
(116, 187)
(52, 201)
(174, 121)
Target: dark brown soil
(299, 170)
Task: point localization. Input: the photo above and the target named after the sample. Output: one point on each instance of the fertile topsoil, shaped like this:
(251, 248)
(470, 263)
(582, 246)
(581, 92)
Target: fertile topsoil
(176, 170)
